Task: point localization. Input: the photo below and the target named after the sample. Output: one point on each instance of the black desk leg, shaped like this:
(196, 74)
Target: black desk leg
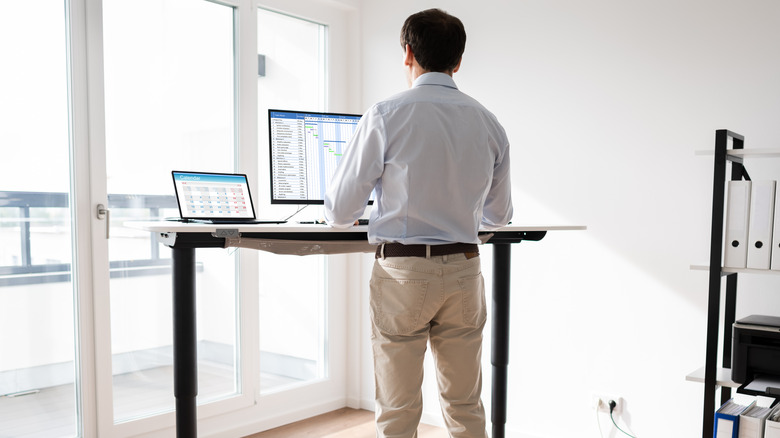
(499, 356)
(185, 349)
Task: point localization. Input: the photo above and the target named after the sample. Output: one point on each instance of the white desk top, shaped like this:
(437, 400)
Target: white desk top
(293, 227)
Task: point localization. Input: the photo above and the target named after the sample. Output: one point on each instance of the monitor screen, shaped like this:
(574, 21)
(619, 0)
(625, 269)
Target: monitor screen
(305, 149)
(213, 196)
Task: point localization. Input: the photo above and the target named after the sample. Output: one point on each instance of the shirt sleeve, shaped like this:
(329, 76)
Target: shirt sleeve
(358, 171)
(498, 209)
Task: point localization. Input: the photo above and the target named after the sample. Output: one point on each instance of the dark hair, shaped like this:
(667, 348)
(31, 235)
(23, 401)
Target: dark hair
(436, 38)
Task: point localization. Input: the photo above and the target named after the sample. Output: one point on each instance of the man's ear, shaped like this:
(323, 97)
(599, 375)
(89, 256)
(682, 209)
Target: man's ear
(457, 67)
(408, 56)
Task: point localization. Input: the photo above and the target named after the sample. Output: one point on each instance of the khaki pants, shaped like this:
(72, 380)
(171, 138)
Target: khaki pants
(414, 300)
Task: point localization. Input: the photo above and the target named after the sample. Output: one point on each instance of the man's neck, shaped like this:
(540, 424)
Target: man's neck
(416, 73)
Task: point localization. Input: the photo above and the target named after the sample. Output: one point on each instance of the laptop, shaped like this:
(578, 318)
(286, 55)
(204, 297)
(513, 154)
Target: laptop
(218, 198)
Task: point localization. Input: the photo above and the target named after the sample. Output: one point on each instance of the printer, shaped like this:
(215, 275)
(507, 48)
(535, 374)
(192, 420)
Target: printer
(755, 361)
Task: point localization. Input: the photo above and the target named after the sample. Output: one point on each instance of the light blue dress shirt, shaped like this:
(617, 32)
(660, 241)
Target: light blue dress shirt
(438, 160)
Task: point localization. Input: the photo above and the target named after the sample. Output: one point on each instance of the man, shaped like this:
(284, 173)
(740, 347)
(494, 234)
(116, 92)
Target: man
(439, 164)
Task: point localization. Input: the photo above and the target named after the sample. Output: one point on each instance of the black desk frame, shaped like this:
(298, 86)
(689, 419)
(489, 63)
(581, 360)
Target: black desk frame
(185, 363)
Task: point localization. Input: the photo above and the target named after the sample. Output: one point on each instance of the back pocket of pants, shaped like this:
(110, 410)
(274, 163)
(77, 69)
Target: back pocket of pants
(396, 305)
(474, 308)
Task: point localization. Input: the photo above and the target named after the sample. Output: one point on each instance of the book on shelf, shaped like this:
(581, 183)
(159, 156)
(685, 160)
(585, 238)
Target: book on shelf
(753, 419)
(737, 224)
(727, 416)
(775, 257)
(762, 212)
(772, 424)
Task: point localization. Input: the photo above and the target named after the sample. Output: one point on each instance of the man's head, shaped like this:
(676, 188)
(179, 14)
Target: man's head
(436, 38)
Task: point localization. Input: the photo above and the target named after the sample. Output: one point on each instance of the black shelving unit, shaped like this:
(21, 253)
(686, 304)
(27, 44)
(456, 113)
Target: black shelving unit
(723, 155)
(716, 273)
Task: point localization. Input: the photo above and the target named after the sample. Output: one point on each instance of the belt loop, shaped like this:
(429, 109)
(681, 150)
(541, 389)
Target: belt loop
(382, 251)
(427, 251)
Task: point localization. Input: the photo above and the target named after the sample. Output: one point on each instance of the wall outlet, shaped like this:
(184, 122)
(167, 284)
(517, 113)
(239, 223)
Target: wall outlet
(600, 402)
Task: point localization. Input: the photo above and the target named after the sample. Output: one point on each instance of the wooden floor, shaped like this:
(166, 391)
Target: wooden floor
(343, 423)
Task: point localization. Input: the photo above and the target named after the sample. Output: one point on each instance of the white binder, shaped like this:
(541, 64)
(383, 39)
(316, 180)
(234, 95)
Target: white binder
(776, 234)
(753, 419)
(737, 220)
(762, 212)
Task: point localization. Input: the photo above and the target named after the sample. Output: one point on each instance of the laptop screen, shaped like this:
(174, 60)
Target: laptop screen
(213, 196)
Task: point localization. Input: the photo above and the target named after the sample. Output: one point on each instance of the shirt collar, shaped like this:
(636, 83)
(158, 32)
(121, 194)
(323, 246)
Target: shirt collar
(435, 78)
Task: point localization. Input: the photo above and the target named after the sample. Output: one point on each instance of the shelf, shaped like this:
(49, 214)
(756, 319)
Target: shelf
(722, 377)
(746, 153)
(728, 271)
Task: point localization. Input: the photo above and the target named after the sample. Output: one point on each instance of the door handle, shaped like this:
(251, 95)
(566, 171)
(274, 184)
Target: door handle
(104, 213)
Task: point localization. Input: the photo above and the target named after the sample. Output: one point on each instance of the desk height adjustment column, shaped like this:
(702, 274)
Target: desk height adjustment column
(185, 349)
(499, 358)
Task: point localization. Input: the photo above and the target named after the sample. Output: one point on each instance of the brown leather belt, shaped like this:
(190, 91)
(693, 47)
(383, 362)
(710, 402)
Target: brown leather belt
(400, 250)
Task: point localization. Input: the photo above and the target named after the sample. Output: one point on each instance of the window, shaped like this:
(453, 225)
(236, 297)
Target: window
(38, 385)
(170, 100)
(294, 78)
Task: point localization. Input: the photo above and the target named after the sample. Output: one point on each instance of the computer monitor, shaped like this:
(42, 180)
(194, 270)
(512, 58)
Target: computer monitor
(305, 149)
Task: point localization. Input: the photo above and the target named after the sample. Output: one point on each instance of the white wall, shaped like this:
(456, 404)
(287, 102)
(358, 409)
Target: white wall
(605, 103)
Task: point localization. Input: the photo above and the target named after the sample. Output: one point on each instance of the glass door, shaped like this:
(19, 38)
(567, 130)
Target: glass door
(39, 385)
(169, 105)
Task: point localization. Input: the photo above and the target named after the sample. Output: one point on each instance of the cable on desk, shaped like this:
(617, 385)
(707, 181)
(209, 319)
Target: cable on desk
(298, 211)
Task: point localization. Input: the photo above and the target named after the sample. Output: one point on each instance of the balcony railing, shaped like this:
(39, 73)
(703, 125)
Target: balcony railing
(16, 217)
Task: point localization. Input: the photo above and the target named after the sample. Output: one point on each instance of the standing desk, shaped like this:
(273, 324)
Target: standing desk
(185, 238)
